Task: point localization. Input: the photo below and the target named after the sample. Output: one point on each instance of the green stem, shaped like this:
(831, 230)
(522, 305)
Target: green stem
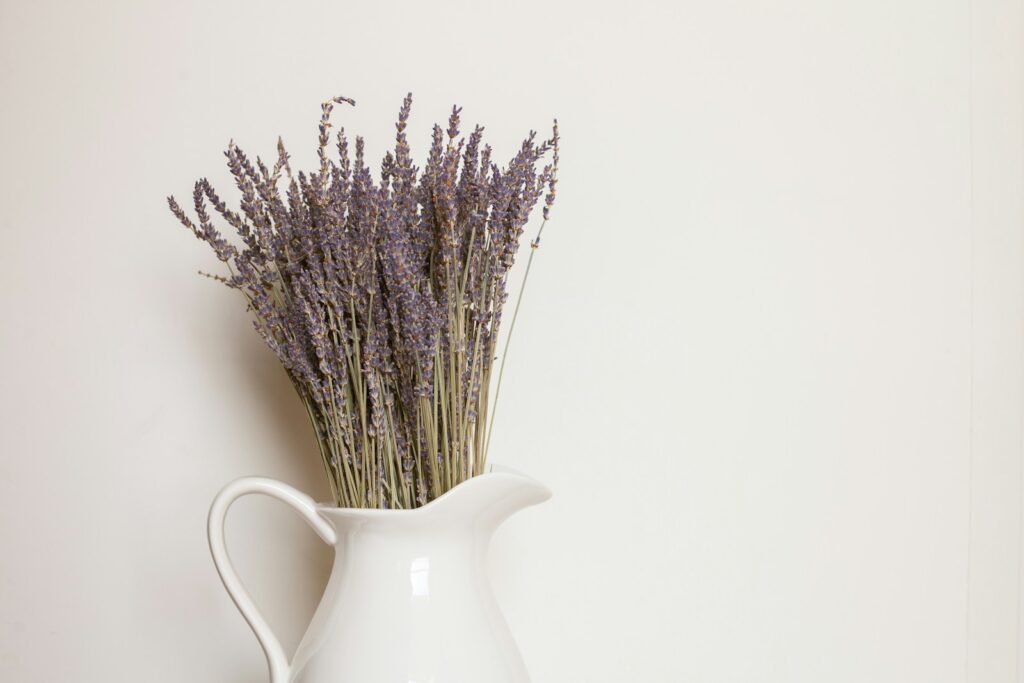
(508, 339)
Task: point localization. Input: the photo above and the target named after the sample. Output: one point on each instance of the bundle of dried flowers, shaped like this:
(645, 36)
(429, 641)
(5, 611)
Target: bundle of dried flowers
(382, 299)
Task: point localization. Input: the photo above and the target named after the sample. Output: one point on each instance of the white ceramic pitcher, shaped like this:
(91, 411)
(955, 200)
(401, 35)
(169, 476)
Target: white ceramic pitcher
(408, 600)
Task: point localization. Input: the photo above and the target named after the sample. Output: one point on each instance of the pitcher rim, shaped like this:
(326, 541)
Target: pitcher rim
(494, 470)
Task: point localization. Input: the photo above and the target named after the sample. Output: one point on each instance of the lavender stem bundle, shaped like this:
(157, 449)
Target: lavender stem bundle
(383, 299)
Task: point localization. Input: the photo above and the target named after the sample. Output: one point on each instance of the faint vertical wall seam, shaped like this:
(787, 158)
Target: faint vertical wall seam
(970, 335)
(1020, 446)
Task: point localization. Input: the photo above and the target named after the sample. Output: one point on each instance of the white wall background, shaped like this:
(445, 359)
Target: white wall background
(770, 360)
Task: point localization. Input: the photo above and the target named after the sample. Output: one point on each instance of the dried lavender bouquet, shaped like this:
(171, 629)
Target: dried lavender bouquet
(383, 299)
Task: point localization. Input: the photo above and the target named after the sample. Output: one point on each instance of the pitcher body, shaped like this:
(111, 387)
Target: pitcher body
(408, 600)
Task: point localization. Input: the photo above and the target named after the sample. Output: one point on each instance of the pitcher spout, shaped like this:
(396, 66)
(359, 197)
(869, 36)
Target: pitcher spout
(491, 498)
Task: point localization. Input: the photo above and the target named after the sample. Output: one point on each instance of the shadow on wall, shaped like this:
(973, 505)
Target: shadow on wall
(291, 606)
(281, 411)
(288, 573)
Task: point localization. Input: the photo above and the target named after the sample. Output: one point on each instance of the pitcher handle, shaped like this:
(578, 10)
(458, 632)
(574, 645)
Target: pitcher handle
(277, 661)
